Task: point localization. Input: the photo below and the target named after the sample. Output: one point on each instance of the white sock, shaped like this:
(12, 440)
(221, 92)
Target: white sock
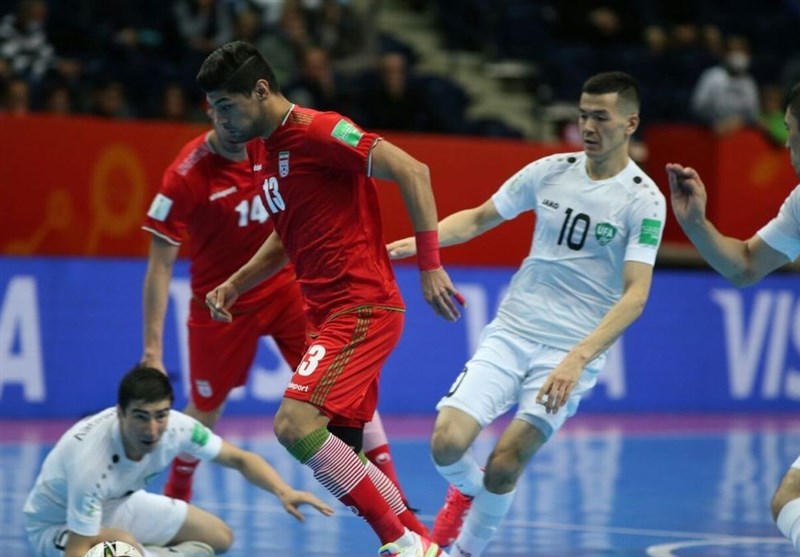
(789, 522)
(464, 474)
(487, 512)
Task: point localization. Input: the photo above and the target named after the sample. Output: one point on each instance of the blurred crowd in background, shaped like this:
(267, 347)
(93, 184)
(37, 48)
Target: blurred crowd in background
(722, 63)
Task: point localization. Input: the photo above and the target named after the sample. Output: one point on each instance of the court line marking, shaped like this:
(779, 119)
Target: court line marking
(701, 537)
(665, 550)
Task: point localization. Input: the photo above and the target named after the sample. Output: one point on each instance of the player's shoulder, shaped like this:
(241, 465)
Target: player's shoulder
(190, 156)
(302, 117)
(637, 180)
(556, 163)
(91, 434)
(182, 425)
(331, 125)
(561, 161)
(794, 195)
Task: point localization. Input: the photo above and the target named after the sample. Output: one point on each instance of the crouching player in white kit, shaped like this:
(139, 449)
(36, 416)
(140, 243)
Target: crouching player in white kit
(90, 488)
(599, 221)
(745, 262)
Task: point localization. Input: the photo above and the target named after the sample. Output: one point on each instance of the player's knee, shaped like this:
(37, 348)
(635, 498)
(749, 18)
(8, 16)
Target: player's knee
(788, 490)
(221, 538)
(284, 428)
(446, 445)
(782, 496)
(776, 505)
(502, 471)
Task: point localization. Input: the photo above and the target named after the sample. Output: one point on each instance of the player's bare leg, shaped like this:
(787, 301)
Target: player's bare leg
(303, 430)
(786, 505)
(453, 435)
(513, 451)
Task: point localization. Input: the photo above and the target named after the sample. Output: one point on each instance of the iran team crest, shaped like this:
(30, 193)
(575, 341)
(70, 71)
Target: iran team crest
(283, 164)
(604, 233)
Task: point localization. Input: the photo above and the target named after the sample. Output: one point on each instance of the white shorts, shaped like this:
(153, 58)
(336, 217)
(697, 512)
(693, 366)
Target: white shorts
(508, 369)
(151, 518)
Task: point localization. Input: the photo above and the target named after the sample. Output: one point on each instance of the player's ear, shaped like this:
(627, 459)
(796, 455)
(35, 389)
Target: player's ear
(262, 89)
(632, 124)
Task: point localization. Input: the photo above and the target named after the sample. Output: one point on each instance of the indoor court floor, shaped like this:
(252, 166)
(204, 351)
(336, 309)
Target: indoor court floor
(657, 486)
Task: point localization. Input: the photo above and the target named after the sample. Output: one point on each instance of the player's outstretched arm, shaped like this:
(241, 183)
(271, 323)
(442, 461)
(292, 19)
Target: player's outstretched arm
(260, 473)
(457, 228)
(742, 262)
(268, 260)
(155, 297)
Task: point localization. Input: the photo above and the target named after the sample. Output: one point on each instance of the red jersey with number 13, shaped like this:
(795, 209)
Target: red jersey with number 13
(315, 175)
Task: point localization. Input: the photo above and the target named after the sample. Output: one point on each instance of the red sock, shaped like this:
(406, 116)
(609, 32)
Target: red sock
(392, 495)
(381, 457)
(341, 472)
(179, 483)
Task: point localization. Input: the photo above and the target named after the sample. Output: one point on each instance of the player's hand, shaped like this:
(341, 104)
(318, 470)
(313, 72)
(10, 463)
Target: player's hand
(688, 194)
(400, 249)
(439, 292)
(220, 300)
(293, 499)
(155, 363)
(558, 386)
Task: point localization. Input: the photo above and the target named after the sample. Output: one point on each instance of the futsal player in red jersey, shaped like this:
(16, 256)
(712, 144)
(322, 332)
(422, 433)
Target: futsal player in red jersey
(316, 171)
(208, 197)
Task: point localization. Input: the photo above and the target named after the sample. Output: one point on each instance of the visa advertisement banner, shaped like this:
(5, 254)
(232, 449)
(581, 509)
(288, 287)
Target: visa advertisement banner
(69, 328)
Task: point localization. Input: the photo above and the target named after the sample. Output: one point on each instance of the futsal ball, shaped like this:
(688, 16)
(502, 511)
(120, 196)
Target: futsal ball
(113, 549)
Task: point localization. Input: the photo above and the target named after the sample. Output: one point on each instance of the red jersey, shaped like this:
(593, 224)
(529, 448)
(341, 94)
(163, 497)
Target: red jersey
(216, 204)
(315, 175)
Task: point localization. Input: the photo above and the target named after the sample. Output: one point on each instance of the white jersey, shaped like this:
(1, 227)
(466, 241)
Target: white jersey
(585, 231)
(783, 232)
(87, 472)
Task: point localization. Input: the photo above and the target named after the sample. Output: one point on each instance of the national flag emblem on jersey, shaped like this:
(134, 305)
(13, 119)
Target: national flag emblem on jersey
(159, 208)
(283, 163)
(604, 233)
(347, 133)
(651, 232)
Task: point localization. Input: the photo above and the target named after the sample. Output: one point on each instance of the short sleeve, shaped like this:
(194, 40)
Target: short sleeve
(782, 233)
(518, 193)
(646, 224)
(170, 209)
(199, 441)
(84, 506)
(341, 143)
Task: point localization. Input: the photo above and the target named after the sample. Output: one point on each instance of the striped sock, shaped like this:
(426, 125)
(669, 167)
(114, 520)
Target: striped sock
(344, 475)
(392, 495)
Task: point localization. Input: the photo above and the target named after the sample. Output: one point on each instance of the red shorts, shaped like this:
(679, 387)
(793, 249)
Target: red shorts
(340, 370)
(221, 354)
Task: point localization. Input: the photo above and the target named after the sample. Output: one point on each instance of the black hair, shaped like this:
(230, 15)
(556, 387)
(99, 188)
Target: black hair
(793, 101)
(614, 82)
(144, 383)
(236, 68)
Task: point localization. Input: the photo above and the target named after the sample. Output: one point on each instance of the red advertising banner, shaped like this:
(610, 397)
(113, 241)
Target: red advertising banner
(747, 176)
(80, 186)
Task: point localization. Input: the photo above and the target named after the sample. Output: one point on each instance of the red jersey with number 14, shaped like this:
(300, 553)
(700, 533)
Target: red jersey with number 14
(315, 175)
(213, 201)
